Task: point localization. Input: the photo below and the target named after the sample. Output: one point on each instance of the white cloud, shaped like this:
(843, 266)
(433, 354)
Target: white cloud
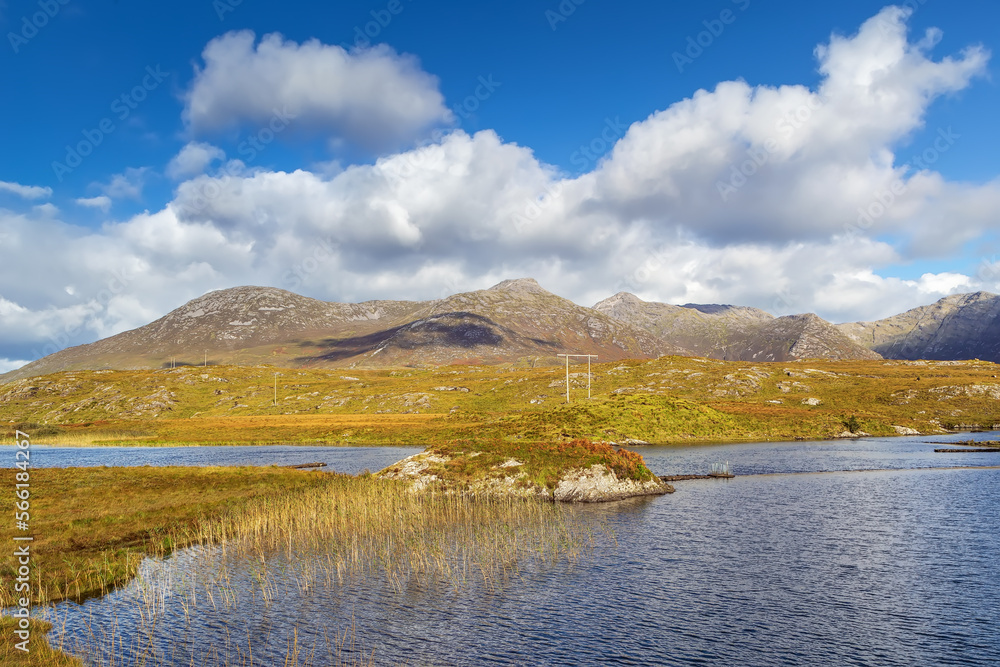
(101, 202)
(11, 364)
(468, 211)
(26, 191)
(127, 185)
(193, 159)
(47, 210)
(374, 97)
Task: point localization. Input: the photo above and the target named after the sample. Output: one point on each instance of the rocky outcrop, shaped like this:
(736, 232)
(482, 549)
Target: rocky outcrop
(961, 326)
(598, 484)
(735, 333)
(593, 485)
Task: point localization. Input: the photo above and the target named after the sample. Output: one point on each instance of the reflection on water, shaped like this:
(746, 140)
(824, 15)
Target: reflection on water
(848, 454)
(350, 460)
(888, 567)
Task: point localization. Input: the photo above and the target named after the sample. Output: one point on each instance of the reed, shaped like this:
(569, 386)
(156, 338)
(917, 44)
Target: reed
(322, 530)
(362, 526)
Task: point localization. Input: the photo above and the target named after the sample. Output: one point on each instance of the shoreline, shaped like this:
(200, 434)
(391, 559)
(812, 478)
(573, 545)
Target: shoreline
(632, 445)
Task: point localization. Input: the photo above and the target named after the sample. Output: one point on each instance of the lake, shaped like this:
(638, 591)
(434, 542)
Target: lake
(792, 562)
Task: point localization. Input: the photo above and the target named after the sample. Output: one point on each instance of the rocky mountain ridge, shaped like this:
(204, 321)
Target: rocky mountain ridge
(961, 326)
(735, 333)
(515, 321)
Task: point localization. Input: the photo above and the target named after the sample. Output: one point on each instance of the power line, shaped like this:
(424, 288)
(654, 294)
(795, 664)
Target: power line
(589, 357)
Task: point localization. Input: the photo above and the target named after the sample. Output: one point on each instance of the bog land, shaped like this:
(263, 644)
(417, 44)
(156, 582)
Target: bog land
(667, 400)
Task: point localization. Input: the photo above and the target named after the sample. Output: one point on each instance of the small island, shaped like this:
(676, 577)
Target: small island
(573, 471)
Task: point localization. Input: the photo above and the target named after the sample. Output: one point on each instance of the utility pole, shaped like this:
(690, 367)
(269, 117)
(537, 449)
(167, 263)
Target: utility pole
(589, 356)
(275, 390)
(206, 358)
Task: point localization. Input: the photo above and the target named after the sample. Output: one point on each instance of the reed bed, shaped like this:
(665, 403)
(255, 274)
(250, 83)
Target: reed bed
(365, 526)
(346, 532)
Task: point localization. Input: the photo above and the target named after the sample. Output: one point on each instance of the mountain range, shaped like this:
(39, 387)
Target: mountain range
(515, 321)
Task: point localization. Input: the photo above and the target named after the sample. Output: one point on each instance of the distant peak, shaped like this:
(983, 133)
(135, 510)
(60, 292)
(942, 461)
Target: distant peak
(247, 290)
(521, 284)
(621, 297)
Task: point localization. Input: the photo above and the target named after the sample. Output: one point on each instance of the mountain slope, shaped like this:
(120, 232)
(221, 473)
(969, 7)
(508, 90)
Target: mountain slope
(961, 326)
(238, 325)
(249, 325)
(511, 320)
(735, 333)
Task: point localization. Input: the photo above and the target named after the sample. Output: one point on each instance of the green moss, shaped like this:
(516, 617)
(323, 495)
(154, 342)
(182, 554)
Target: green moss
(541, 463)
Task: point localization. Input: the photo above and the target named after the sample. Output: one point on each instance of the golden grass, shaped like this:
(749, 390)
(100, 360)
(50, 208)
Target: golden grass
(672, 399)
(544, 464)
(39, 652)
(93, 527)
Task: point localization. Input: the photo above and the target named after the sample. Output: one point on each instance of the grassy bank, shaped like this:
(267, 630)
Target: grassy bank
(543, 464)
(39, 653)
(93, 527)
(672, 399)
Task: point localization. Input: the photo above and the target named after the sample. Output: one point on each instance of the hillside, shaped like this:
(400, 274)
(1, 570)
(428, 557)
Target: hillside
(961, 326)
(735, 333)
(670, 399)
(515, 320)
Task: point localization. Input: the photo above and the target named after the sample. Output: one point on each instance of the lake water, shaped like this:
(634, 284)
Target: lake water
(893, 563)
(350, 460)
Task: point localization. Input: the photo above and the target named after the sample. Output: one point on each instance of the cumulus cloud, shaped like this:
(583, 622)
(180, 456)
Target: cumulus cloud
(374, 97)
(25, 191)
(193, 159)
(126, 185)
(786, 198)
(101, 202)
(11, 364)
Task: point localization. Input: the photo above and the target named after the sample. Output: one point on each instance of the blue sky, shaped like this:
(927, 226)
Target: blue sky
(566, 141)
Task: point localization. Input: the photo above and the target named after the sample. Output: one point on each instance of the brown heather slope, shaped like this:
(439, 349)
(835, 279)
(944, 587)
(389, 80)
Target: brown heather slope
(670, 399)
(735, 333)
(511, 321)
(961, 326)
(238, 325)
(515, 320)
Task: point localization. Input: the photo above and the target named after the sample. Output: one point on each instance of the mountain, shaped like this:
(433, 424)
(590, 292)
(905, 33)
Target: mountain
(513, 320)
(961, 326)
(735, 333)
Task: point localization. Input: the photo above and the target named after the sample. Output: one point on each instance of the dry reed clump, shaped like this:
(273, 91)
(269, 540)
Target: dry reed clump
(365, 526)
(348, 531)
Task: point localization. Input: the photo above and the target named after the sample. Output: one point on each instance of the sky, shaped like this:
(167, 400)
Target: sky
(836, 158)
